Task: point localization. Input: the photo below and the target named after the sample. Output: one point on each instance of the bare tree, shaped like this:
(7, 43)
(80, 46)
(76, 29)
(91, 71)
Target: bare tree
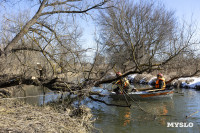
(48, 37)
(42, 30)
(143, 36)
(139, 37)
(47, 9)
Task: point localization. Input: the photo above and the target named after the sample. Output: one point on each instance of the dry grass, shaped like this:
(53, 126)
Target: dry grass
(19, 117)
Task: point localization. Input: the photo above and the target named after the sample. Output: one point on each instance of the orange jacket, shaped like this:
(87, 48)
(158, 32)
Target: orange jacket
(124, 82)
(157, 86)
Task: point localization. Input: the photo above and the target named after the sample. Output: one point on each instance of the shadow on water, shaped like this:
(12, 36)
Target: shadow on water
(125, 120)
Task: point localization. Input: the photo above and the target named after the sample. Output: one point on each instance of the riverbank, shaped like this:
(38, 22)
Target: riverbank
(19, 117)
(189, 82)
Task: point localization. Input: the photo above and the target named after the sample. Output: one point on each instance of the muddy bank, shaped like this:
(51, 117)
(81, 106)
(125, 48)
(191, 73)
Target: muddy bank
(16, 116)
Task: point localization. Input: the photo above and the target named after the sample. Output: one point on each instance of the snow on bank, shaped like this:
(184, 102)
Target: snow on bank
(132, 76)
(190, 82)
(141, 78)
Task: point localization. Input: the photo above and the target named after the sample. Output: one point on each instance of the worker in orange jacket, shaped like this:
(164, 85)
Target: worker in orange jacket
(122, 83)
(160, 82)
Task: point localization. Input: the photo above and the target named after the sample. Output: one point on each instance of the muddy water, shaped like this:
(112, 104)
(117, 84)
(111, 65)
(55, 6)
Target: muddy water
(158, 112)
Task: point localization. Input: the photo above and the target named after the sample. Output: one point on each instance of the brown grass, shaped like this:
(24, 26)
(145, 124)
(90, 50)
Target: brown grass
(19, 117)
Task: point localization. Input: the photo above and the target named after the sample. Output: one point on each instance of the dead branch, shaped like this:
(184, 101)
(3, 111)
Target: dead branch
(109, 104)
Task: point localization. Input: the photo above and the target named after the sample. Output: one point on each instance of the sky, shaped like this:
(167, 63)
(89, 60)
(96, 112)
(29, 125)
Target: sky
(184, 9)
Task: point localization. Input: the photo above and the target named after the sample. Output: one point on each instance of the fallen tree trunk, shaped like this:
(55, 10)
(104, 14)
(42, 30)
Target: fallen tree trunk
(53, 84)
(13, 80)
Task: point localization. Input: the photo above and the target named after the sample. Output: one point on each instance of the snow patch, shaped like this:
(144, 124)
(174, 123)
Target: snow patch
(190, 82)
(132, 76)
(152, 80)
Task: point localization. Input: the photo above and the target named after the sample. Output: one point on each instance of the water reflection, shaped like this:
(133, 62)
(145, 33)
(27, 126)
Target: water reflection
(35, 95)
(157, 113)
(125, 120)
(127, 116)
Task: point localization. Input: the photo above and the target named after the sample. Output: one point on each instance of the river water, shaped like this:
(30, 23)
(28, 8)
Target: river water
(156, 117)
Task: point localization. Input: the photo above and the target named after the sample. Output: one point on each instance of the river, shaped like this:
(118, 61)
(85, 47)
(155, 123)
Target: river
(158, 112)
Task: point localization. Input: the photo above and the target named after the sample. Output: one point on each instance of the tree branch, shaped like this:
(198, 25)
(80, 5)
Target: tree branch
(109, 104)
(26, 27)
(81, 11)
